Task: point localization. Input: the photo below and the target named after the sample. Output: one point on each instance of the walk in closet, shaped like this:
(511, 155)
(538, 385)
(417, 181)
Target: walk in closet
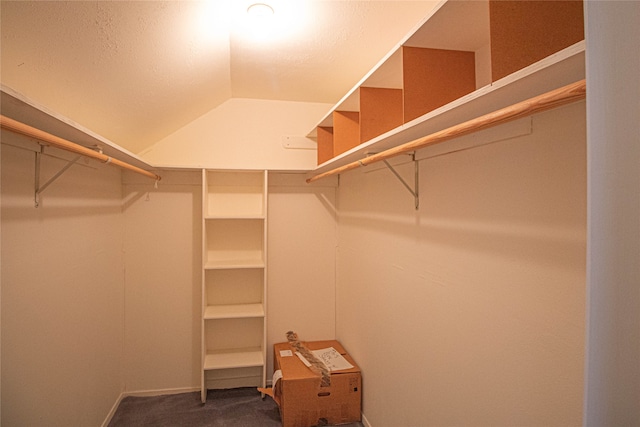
(491, 286)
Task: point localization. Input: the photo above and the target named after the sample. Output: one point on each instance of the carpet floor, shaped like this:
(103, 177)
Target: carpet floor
(242, 407)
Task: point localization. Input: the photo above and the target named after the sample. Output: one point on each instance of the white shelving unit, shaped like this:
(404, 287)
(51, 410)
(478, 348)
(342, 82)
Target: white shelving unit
(234, 279)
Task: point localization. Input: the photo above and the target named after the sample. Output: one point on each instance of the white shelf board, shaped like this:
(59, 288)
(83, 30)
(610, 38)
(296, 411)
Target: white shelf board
(233, 311)
(388, 75)
(238, 358)
(18, 107)
(557, 70)
(236, 263)
(456, 25)
(240, 217)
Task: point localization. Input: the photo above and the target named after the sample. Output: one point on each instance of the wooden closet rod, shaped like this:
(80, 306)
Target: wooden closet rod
(49, 139)
(555, 98)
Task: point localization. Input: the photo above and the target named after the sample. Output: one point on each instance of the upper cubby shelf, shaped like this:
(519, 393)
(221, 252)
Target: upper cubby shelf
(235, 194)
(465, 59)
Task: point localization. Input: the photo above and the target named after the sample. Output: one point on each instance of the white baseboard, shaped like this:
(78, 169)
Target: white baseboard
(161, 392)
(144, 393)
(365, 421)
(113, 410)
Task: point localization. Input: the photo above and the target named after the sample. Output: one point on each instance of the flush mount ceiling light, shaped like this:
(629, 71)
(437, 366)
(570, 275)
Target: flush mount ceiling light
(261, 25)
(260, 10)
(270, 21)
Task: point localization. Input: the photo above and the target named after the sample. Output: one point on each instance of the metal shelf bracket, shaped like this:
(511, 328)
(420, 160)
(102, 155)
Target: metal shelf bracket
(416, 175)
(39, 189)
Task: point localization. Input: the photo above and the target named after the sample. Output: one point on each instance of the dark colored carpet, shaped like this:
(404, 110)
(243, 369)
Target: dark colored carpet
(241, 407)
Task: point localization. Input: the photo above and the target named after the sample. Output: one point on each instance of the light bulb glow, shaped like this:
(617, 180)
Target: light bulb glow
(261, 24)
(260, 10)
(267, 22)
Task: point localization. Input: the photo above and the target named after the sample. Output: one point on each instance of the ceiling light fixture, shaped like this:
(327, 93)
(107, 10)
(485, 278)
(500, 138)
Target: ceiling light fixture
(260, 10)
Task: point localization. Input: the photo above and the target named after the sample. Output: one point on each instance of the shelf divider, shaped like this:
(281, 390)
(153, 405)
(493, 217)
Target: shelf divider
(346, 131)
(524, 32)
(555, 98)
(325, 143)
(380, 111)
(435, 77)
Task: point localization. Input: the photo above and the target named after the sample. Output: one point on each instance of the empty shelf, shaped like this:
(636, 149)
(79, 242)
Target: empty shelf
(233, 311)
(234, 263)
(233, 359)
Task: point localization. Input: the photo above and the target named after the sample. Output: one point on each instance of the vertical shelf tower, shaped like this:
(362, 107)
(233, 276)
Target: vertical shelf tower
(234, 279)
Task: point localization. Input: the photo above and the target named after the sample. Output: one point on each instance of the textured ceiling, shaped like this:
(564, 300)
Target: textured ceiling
(136, 71)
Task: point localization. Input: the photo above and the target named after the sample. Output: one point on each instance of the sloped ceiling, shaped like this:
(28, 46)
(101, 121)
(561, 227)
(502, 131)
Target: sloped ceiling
(136, 71)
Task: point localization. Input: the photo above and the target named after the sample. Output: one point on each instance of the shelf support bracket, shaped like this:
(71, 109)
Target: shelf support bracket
(416, 175)
(39, 189)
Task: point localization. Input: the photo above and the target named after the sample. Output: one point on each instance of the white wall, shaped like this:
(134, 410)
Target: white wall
(301, 259)
(163, 267)
(62, 292)
(242, 134)
(612, 395)
(162, 249)
(470, 311)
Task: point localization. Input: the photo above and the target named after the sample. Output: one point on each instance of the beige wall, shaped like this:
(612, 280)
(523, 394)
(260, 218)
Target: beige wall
(470, 311)
(162, 254)
(162, 290)
(612, 376)
(101, 284)
(242, 134)
(301, 266)
(474, 304)
(62, 292)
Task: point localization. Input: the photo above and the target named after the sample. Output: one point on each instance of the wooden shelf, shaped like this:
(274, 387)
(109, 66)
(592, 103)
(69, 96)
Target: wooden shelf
(233, 311)
(236, 358)
(560, 69)
(18, 107)
(461, 62)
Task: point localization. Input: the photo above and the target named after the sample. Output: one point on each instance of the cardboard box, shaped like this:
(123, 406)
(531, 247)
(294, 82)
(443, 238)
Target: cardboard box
(302, 400)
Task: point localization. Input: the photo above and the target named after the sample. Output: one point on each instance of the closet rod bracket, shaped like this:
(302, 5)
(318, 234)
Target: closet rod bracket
(416, 175)
(39, 189)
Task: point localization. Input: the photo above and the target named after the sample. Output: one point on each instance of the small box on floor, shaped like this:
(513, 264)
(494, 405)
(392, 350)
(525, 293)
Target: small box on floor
(302, 398)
